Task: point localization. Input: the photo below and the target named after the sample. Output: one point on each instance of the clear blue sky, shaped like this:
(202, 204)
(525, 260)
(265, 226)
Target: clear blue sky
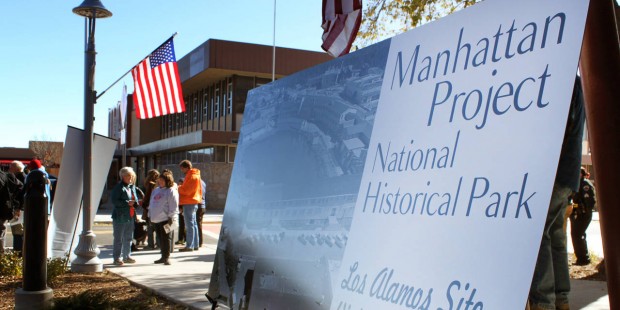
(42, 55)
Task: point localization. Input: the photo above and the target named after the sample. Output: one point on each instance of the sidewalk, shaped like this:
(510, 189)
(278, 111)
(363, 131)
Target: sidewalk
(187, 279)
(104, 215)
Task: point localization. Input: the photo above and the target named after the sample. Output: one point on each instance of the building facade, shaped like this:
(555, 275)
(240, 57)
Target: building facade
(216, 78)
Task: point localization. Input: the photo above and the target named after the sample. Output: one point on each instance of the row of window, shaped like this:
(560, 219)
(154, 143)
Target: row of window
(209, 103)
(213, 154)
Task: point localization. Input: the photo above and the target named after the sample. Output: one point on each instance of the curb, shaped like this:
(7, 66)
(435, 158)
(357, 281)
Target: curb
(154, 292)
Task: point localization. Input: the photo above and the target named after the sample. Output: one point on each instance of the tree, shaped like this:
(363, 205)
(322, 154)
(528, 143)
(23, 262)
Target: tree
(48, 152)
(385, 18)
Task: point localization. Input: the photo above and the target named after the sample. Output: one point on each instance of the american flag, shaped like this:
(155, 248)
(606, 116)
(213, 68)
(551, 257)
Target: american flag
(341, 21)
(157, 86)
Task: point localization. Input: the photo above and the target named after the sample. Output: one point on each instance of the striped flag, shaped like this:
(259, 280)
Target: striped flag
(341, 21)
(157, 86)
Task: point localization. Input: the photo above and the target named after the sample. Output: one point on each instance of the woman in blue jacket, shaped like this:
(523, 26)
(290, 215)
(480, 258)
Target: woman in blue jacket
(125, 200)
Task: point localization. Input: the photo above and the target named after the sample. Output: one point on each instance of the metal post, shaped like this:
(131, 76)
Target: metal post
(273, 58)
(35, 294)
(600, 71)
(87, 252)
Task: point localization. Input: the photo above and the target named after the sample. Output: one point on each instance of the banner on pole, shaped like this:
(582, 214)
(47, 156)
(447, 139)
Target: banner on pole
(65, 224)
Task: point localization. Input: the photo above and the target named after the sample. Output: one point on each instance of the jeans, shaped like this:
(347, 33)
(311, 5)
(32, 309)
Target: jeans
(123, 235)
(551, 281)
(191, 227)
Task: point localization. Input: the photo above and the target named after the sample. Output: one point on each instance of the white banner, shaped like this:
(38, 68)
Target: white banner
(65, 226)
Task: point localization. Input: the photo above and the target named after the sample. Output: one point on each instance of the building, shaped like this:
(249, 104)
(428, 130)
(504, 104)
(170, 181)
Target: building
(48, 152)
(216, 77)
(9, 154)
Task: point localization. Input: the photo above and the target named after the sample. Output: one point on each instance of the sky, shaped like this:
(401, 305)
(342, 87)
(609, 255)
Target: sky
(42, 55)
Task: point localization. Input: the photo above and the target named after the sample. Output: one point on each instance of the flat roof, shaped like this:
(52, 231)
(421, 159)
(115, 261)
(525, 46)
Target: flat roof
(216, 59)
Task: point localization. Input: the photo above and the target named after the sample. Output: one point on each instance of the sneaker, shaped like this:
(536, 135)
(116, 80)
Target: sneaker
(179, 242)
(129, 260)
(186, 250)
(118, 262)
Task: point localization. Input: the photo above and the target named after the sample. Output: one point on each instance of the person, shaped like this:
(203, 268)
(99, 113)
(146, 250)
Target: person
(551, 281)
(17, 227)
(164, 206)
(581, 217)
(35, 164)
(201, 211)
(181, 236)
(190, 196)
(9, 187)
(150, 183)
(125, 200)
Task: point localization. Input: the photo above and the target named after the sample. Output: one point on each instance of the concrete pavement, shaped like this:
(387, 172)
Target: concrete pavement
(187, 279)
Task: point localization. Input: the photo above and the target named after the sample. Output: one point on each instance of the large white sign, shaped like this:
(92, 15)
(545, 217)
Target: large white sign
(415, 173)
(462, 159)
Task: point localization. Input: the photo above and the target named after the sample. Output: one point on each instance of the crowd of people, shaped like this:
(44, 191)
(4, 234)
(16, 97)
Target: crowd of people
(162, 200)
(12, 199)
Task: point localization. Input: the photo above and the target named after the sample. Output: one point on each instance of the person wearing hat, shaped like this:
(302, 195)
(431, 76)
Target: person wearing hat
(35, 164)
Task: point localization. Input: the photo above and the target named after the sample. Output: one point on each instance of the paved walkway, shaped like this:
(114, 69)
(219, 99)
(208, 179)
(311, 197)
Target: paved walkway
(187, 279)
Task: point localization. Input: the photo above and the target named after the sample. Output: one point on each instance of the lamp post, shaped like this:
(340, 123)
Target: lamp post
(87, 252)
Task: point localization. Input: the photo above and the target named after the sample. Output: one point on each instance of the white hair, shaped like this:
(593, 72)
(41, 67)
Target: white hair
(128, 171)
(18, 164)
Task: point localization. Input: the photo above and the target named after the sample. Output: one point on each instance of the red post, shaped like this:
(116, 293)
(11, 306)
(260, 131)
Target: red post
(600, 71)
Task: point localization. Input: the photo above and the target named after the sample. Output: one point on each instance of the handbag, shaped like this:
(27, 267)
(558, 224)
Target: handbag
(17, 229)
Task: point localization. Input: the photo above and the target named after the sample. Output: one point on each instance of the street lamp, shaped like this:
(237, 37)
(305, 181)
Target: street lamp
(87, 252)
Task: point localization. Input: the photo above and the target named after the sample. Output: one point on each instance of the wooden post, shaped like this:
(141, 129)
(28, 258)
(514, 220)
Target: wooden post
(600, 71)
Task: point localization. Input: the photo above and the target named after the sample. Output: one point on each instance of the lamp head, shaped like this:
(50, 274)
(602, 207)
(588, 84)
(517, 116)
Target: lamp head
(92, 9)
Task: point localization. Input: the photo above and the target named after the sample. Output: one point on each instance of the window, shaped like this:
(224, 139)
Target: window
(195, 112)
(163, 127)
(232, 151)
(212, 106)
(216, 113)
(205, 98)
(230, 96)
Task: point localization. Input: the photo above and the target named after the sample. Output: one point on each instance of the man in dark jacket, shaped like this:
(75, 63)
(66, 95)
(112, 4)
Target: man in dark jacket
(581, 217)
(551, 280)
(9, 188)
(17, 169)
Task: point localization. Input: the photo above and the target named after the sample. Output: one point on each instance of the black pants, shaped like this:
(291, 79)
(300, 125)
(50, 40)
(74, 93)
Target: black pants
(579, 222)
(165, 239)
(181, 227)
(199, 213)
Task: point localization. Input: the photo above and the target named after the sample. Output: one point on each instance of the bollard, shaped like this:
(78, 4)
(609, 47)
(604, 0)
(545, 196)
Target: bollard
(35, 294)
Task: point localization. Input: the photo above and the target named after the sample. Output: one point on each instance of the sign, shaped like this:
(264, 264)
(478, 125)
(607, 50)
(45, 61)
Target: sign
(66, 222)
(412, 174)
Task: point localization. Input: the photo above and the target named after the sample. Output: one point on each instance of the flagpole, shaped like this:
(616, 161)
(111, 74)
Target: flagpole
(122, 76)
(273, 61)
